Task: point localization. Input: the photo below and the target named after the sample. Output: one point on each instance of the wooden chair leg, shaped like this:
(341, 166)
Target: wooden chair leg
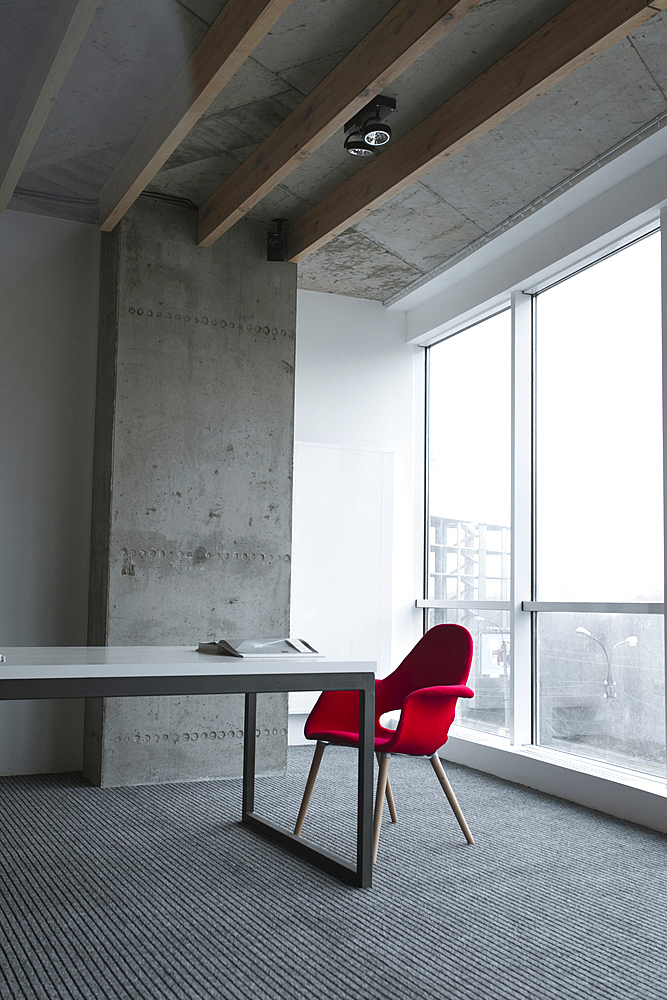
(449, 792)
(379, 801)
(391, 803)
(390, 797)
(310, 784)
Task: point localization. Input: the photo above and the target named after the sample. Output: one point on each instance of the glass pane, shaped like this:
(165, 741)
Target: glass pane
(490, 671)
(601, 687)
(469, 463)
(599, 432)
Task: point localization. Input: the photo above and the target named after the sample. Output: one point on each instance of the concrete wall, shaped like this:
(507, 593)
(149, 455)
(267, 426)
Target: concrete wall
(359, 387)
(193, 475)
(48, 335)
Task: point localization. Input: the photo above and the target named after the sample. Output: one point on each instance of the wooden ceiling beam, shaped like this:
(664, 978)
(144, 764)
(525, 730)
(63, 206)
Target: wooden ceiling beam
(402, 36)
(55, 55)
(580, 32)
(234, 34)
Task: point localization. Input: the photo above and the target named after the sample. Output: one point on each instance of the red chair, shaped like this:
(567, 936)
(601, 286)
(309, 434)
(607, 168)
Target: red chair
(424, 687)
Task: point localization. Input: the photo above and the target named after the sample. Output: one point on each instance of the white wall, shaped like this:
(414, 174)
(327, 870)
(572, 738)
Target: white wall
(48, 340)
(342, 541)
(359, 386)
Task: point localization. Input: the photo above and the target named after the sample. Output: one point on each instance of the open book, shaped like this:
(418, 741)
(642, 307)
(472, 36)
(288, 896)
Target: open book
(259, 647)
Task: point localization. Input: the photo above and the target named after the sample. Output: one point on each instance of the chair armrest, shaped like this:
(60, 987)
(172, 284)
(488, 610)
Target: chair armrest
(426, 716)
(447, 690)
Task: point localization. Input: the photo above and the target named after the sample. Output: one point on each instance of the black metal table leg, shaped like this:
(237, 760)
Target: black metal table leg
(365, 790)
(249, 752)
(359, 874)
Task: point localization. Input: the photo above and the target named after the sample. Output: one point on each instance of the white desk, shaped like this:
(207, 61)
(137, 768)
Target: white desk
(133, 671)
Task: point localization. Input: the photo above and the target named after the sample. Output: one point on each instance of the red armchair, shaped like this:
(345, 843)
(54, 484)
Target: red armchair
(425, 687)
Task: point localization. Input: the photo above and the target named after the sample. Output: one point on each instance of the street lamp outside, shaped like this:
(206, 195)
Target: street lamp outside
(610, 683)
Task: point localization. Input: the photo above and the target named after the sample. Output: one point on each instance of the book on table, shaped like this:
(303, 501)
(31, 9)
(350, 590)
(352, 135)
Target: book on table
(259, 647)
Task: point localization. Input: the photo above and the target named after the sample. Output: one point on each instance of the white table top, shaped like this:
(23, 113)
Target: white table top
(36, 662)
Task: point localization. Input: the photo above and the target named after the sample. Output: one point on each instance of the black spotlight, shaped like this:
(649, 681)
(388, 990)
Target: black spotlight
(356, 146)
(276, 242)
(367, 131)
(375, 133)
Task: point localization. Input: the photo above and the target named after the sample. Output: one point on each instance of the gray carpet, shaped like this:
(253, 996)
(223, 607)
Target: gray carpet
(158, 892)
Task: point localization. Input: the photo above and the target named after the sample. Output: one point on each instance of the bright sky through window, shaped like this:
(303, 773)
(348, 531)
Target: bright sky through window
(599, 431)
(469, 437)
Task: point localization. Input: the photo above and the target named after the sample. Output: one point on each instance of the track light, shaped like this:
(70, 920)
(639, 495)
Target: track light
(375, 133)
(356, 146)
(367, 131)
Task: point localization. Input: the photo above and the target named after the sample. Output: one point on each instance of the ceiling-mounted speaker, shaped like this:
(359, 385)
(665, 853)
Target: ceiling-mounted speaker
(276, 242)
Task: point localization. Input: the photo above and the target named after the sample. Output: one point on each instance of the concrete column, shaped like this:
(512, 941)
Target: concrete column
(192, 482)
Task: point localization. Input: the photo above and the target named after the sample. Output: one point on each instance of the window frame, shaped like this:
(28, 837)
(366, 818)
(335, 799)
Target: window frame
(523, 606)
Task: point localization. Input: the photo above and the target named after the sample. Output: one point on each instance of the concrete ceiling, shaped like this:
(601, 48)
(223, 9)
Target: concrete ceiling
(135, 48)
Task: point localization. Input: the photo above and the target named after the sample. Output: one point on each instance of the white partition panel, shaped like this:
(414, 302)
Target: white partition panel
(341, 554)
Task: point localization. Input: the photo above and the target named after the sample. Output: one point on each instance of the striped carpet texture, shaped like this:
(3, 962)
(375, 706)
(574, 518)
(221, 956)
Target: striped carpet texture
(158, 893)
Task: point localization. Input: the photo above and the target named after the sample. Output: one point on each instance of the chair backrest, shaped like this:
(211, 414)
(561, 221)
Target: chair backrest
(442, 656)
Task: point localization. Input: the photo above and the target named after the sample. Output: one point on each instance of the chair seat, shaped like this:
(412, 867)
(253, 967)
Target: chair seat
(345, 739)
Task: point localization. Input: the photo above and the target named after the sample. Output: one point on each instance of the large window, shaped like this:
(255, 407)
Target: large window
(599, 508)
(567, 384)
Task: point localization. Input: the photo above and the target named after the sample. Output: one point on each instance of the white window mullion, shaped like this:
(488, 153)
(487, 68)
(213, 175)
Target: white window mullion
(663, 245)
(521, 574)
